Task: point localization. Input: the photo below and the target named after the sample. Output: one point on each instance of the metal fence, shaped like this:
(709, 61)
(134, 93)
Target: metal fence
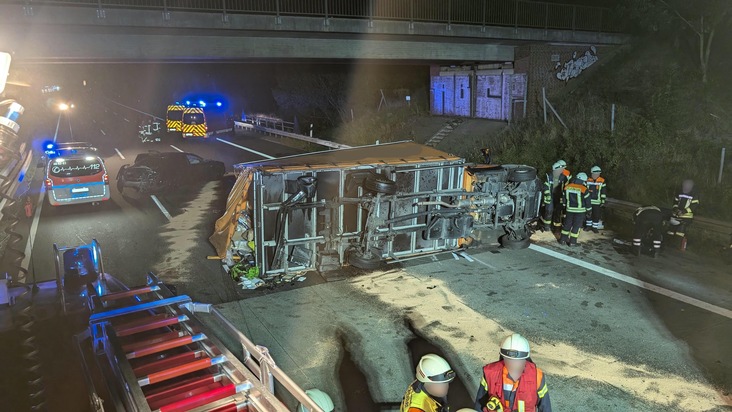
(512, 13)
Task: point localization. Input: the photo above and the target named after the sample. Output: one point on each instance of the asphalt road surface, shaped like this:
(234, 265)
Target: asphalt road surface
(134, 232)
(612, 331)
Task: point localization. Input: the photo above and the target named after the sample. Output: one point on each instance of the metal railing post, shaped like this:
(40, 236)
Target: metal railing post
(546, 18)
(574, 17)
(411, 15)
(325, 3)
(278, 19)
(27, 9)
(101, 13)
(449, 15)
(166, 13)
(516, 16)
(224, 16)
(371, 13)
(484, 10)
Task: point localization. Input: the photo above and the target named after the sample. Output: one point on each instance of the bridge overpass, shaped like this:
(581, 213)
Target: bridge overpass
(434, 31)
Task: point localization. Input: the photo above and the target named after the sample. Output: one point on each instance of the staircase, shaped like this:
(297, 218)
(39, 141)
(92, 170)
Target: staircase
(443, 133)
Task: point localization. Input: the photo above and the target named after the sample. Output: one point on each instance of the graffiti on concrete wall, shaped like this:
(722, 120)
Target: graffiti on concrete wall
(576, 65)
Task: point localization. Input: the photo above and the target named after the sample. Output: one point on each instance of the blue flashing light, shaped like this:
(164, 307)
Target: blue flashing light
(21, 177)
(188, 102)
(218, 104)
(202, 103)
(49, 146)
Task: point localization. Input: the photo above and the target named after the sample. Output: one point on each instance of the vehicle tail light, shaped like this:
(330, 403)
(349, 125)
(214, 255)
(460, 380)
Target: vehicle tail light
(49, 184)
(106, 179)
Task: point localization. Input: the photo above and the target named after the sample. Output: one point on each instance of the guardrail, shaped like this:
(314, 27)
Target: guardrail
(703, 228)
(512, 13)
(240, 127)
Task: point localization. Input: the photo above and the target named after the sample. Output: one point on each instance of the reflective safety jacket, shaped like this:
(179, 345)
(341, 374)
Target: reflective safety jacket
(685, 204)
(576, 198)
(527, 394)
(597, 190)
(418, 400)
(565, 177)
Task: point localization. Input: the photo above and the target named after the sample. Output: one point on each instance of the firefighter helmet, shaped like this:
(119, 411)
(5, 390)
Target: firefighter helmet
(557, 166)
(582, 176)
(320, 398)
(596, 169)
(515, 347)
(562, 163)
(434, 369)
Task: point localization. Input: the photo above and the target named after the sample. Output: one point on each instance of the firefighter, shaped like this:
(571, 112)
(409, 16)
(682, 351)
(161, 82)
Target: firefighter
(685, 203)
(567, 175)
(597, 187)
(429, 392)
(514, 382)
(648, 222)
(576, 203)
(552, 198)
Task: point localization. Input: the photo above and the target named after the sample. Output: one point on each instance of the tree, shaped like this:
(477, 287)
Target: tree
(671, 17)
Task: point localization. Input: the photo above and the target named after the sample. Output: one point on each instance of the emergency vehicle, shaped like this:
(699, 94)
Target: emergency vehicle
(74, 179)
(174, 117)
(194, 122)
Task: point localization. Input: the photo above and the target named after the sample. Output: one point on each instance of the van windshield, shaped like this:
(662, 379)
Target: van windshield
(175, 114)
(193, 118)
(75, 167)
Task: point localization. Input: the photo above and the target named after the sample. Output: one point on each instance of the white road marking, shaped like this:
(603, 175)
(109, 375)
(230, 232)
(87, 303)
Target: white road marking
(102, 132)
(126, 120)
(33, 229)
(94, 121)
(162, 208)
(176, 148)
(266, 156)
(119, 153)
(635, 282)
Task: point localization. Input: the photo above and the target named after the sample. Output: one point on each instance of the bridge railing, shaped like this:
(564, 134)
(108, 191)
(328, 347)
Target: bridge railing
(511, 13)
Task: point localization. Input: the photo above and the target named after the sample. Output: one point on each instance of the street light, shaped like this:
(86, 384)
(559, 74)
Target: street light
(63, 107)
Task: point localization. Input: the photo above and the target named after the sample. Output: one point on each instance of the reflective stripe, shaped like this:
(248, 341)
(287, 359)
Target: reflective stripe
(542, 392)
(686, 196)
(507, 387)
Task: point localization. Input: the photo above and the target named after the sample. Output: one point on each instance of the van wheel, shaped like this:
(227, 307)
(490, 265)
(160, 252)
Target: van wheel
(522, 174)
(379, 183)
(365, 261)
(508, 243)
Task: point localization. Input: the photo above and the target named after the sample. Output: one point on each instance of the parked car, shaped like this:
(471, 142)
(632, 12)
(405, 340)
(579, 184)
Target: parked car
(160, 171)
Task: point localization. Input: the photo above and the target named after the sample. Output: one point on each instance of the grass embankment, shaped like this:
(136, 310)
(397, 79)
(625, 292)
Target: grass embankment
(668, 127)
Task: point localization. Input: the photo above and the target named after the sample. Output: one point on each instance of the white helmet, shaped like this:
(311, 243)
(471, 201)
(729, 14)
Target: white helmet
(465, 410)
(562, 163)
(434, 369)
(556, 166)
(596, 169)
(320, 398)
(515, 347)
(582, 176)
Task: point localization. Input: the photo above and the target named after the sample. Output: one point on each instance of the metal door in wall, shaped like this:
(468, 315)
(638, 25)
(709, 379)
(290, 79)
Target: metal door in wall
(489, 97)
(442, 94)
(462, 96)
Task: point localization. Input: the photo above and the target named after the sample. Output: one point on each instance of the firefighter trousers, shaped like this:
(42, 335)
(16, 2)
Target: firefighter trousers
(573, 223)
